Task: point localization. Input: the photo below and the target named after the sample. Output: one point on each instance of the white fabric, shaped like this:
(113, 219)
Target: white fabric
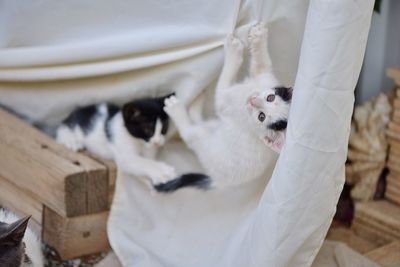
(56, 55)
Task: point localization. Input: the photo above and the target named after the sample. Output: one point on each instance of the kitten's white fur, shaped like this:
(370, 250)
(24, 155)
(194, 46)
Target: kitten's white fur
(132, 155)
(232, 147)
(32, 243)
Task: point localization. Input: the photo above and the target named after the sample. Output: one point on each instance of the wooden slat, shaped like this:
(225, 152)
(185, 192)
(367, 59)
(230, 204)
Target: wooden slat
(21, 203)
(69, 183)
(386, 256)
(75, 237)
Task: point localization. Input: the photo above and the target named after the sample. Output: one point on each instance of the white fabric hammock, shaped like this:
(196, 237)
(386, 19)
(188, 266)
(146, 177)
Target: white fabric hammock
(55, 55)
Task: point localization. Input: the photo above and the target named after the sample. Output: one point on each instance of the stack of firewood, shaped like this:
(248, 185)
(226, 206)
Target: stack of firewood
(368, 147)
(393, 134)
(377, 221)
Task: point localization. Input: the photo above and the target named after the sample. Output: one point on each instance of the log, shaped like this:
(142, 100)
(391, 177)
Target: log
(372, 235)
(75, 237)
(386, 256)
(382, 214)
(392, 195)
(69, 183)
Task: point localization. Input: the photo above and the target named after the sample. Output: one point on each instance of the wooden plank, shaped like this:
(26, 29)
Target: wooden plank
(386, 256)
(351, 239)
(77, 236)
(70, 183)
(21, 203)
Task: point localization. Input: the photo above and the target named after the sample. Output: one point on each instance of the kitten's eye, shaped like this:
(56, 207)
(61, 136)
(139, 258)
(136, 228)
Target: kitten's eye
(270, 98)
(261, 116)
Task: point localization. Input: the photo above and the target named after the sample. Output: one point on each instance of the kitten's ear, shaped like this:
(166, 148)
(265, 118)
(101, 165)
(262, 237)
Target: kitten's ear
(161, 99)
(130, 111)
(14, 233)
(275, 142)
(284, 92)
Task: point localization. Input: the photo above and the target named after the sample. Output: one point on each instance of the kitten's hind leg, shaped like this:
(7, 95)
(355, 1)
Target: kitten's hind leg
(233, 60)
(179, 115)
(260, 61)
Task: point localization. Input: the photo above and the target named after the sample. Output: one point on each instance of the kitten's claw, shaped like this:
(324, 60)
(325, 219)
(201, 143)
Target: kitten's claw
(233, 45)
(257, 33)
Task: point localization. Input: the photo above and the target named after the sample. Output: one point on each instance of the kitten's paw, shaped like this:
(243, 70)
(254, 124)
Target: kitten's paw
(257, 33)
(173, 107)
(162, 173)
(233, 45)
(66, 138)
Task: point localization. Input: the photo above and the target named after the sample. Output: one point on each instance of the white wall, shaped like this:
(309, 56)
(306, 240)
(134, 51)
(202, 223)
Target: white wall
(383, 51)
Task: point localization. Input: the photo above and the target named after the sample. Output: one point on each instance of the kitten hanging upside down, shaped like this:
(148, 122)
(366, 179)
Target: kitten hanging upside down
(251, 123)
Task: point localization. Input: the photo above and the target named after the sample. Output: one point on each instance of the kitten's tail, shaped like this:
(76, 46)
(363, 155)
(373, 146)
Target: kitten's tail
(197, 180)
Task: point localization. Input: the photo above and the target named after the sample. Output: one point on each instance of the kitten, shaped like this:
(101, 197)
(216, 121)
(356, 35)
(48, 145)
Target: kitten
(251, 118)
(19, 247)
(130, 135)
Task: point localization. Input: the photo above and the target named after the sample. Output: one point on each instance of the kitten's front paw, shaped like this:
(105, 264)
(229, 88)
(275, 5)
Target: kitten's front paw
(233, 45)
(172, 106)
(162, 173)
(258, 33)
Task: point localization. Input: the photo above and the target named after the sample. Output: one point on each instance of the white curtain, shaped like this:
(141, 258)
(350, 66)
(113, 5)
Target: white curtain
(56, 55)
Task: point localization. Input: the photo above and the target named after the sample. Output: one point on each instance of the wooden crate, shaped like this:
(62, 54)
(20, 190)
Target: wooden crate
(68, 194)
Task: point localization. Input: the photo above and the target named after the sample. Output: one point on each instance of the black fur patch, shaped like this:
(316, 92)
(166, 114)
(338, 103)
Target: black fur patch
(111, 111)
(284, 92)
(140, 116)
(84, 117)
(278, 125)
(197, 180)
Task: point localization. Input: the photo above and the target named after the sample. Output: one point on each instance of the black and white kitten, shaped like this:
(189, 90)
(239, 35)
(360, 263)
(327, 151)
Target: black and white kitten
(19, 247)
(252, 115)
(130, 135)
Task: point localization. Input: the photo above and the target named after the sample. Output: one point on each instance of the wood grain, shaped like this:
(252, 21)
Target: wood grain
(75, 237)
(69, 183)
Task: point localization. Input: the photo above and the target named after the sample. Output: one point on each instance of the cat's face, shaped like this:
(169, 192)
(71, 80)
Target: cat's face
(147, 120)
(12, 248)
(268, 110)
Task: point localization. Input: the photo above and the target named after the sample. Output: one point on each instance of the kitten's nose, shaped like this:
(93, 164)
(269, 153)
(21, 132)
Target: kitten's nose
(255, 102)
